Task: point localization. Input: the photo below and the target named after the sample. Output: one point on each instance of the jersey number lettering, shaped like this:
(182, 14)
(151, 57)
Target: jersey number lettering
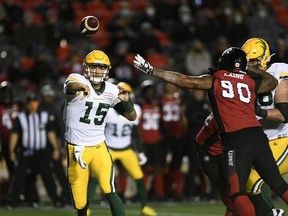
(171, 112)
(99, 115)
(125, 130)
(242, 88)
(151, 121)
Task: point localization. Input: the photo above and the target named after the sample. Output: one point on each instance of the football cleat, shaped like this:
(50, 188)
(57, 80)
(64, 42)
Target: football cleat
(278, 212)
(230, 213)
(148, 211)
(89, 212)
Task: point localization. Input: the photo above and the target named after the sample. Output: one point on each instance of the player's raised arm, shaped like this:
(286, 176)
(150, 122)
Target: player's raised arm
(268, 82)
(203, 82)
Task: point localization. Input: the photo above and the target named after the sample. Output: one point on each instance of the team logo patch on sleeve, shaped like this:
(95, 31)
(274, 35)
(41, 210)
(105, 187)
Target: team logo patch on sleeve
(283, 75)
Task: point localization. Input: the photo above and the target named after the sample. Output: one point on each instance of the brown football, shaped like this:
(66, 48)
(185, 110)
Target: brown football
(89, 25)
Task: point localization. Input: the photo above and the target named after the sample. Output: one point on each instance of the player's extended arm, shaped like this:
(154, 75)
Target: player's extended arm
(268, 82)
(74, 87)
(203, 82)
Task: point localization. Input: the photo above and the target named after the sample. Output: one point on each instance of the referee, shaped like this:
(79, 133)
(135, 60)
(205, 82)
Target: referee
(31, 131)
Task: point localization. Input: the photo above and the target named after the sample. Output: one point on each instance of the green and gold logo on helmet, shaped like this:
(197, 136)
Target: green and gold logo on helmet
(257, 49)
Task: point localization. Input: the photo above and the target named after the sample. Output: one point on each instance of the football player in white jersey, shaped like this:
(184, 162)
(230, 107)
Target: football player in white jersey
(273, 109)
(88, 99)
(120, 134)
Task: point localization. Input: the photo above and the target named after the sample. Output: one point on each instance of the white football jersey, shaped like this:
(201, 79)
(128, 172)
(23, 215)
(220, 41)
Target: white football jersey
(85, 119)
(274, 129)
(119, 130)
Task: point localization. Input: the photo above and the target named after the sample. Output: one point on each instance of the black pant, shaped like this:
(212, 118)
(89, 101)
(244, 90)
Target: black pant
(59, 170)
(246, 148)
(213, 167)
(40, 161)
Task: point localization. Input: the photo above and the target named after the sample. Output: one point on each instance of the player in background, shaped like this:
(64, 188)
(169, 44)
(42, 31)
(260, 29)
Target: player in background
(88, 99)
(211, 158)
(9, 110)
(151, 134)
(232, 89)
(124, 143)
(273, 112)
(175, 128)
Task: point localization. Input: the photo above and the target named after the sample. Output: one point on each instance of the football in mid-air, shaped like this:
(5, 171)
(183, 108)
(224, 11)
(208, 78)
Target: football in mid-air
(89, 25)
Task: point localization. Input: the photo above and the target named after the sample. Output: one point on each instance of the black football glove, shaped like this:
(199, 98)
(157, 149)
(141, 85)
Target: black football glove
(260, 112)
(143, 65)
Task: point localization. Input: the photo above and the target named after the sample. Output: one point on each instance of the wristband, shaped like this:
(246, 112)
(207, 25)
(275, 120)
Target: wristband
(262, 113)
(128, 106)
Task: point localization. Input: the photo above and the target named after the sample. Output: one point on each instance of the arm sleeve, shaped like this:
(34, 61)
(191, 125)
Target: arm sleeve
(119, 108)
(51, 123)
(73, 77)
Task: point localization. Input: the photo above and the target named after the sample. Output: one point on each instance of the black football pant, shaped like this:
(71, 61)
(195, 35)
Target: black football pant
(246, 148)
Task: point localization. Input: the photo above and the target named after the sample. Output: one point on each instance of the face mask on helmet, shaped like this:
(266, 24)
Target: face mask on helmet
(233, 58)
(96, 67)
(258, 52)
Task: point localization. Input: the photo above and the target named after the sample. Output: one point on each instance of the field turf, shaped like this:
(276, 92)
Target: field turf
(163, 209)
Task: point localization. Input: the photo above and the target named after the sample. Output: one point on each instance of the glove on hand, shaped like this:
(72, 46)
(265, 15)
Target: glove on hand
(142, 158)
(78, 151)
(260, 112)
(143, 65)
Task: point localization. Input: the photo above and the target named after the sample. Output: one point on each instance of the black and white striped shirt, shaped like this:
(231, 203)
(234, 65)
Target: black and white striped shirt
(32, 129)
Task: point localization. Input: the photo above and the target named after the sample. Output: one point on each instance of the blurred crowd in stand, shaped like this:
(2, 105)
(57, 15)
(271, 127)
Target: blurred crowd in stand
(40, 45)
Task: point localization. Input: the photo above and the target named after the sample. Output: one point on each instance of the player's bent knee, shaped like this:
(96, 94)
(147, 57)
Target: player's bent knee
(80, 204)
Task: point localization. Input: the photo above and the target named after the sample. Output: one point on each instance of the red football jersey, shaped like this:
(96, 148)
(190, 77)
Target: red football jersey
(208, 137)
(232, 100)
(150, 123)
(171, 108)
(7, 114)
